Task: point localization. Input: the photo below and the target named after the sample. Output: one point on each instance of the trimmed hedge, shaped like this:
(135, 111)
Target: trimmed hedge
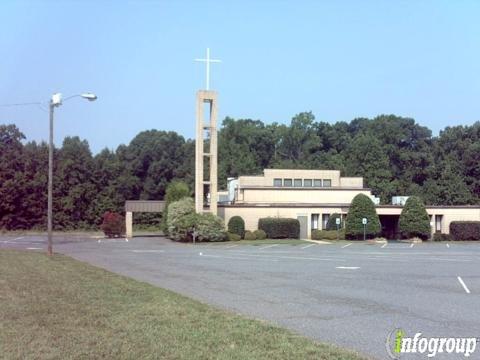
(260, 234)
(233, 237)
(236, 225)
(441, 237)
(414, 220)
(328, 234)
(249, 235)
(280, 228)
(465, 230)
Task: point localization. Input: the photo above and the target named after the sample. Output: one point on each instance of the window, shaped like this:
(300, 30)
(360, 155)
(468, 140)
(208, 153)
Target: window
(314, 223)
(307, 182)
(287, 182)
(297, 183)
(277, 182)
(317, 182)
(325, 218)
(327, 183)
(438, 223)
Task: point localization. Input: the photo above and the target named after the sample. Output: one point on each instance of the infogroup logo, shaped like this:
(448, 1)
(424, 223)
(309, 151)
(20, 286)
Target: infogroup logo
(398, 344)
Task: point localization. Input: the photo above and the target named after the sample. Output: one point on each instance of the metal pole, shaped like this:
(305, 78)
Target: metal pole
(364, 226)
(50, 183)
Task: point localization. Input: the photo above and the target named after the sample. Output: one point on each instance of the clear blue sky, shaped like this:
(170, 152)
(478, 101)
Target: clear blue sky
(339, 59)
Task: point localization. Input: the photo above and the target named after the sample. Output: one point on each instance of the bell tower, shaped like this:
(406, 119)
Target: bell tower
(206, 178)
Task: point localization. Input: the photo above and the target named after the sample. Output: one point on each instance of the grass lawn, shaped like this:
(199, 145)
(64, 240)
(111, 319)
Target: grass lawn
(60, 308)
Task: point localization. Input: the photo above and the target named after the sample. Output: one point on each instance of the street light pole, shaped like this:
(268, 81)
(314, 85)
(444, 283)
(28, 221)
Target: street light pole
(56, 101)
(50, 180)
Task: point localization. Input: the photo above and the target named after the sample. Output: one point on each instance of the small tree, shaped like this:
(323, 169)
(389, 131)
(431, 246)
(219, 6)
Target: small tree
(414, 220)
(362, 207)
(236, 225)
(113, 224)
(175, 191)
(332, 222)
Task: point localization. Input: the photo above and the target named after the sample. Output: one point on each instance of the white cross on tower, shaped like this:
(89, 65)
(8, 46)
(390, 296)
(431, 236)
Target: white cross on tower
(207, 63)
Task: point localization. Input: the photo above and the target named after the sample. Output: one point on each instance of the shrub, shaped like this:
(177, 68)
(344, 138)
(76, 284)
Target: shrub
(181, 219)
(260, 234)
(113, 224)
(328, 234)
(233, 237)
(175, 191)
(280, 228)
(362, 207)
(332, 222)
(236, 225)
(441, 237)
(414, 220)
(209, 227)
(465, 230)
(249, 235)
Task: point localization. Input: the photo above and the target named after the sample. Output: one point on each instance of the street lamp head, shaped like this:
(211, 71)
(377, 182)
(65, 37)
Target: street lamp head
(89, 96)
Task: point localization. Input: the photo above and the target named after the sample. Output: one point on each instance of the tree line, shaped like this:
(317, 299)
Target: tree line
(395, 155)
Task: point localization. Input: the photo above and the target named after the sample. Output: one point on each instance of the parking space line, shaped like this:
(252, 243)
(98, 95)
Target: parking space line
(231, 246)
(448, 245)
(33, 248)
(384, 245)
(344, 246)
(411, 245)
(268, 246)
(463, 284)
(19, 238)
(348, 267)
(306, 247)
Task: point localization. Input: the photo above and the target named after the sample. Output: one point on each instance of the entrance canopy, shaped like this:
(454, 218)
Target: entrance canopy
(132, 206)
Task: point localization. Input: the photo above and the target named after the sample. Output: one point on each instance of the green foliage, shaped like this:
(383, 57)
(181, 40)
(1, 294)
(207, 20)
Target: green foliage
(328, 234)
(175, 191)
(249, 235)
(181, 219)
(332, 222)
(260, 234)
(362, 207)
(210, 228)
(280, 228)
(465, 230)
(233, 237)
(414, 220)
(236, 225)
(395, 155)
(441, 237)
(113, 224)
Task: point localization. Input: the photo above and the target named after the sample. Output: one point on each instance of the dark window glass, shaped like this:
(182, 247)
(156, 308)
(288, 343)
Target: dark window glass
(287, 182)
(277, 182)
(317, 182)
(327, 183)
(307, 182)
(297, 183)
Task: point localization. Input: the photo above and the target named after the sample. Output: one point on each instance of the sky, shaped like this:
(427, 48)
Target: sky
(339, 59)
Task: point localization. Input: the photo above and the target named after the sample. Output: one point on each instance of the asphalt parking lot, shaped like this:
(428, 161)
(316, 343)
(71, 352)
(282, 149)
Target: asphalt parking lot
(349, 294)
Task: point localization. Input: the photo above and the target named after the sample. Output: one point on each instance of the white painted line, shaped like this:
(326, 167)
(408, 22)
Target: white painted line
(148, 251)
(412, 244)
(463, 284)
(19, 238)
(306, 247)
(448, 245)
(34, 248)
(348, 267)
(231, 246)
(126, 239)
(344, 246)
(384, 245)
(268, 246)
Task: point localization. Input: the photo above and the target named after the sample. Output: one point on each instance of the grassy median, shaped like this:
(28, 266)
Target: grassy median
(60, 308)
